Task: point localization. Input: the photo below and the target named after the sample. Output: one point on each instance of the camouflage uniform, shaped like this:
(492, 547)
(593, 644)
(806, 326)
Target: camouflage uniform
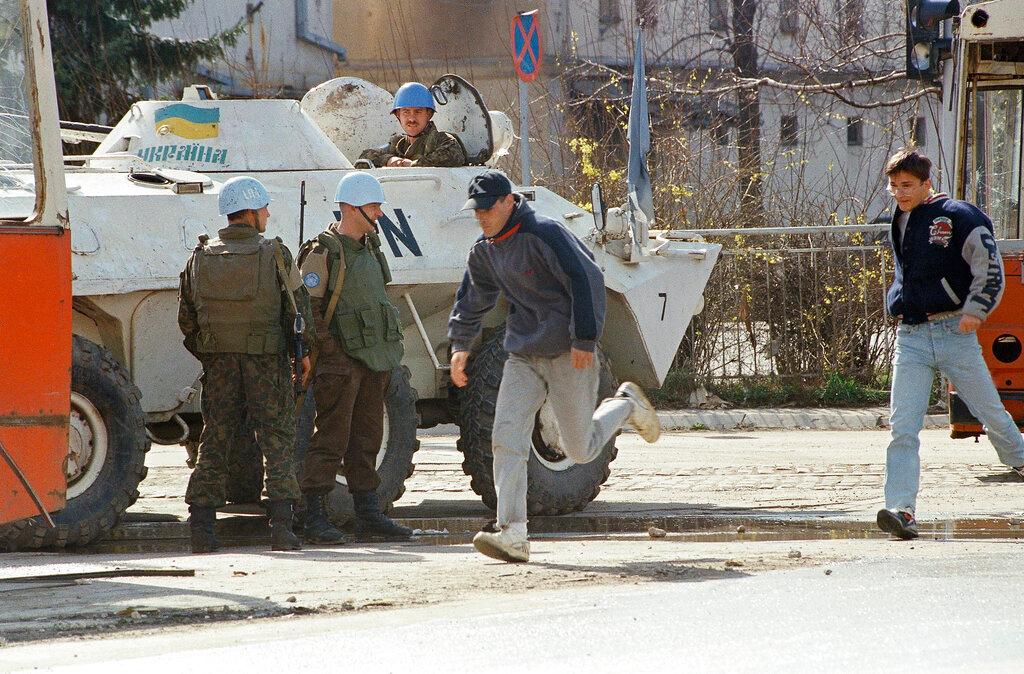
(245, 467)
(430, 148)
(358, 346)
(243, 389)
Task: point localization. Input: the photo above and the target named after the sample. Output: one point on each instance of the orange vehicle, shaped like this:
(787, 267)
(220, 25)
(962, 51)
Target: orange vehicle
(35, 284)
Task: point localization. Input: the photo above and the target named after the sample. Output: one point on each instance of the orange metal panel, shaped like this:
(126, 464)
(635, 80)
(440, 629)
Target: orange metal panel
(1006, 320)
(35, 364)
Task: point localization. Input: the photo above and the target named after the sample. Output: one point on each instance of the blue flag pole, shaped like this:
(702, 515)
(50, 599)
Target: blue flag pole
(638, 178)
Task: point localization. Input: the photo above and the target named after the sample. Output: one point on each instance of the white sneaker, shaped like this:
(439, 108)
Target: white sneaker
(503, 545)
(644, 417)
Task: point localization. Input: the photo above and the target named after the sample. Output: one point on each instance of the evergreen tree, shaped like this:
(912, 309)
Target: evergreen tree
(105, 58)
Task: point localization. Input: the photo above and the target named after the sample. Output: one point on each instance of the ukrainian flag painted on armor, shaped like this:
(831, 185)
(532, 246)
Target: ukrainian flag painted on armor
(189, 121)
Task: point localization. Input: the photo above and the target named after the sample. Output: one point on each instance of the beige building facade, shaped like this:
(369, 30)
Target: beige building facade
(394, 42)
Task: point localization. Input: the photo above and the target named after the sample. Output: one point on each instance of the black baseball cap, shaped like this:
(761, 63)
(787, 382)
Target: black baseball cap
(486, 189)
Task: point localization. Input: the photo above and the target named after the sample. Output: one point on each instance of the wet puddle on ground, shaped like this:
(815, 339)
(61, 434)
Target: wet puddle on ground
(239, 532)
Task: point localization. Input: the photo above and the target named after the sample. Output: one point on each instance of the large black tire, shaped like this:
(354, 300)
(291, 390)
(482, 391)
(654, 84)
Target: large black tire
(556, 485)
(396, 465)
(104, 401)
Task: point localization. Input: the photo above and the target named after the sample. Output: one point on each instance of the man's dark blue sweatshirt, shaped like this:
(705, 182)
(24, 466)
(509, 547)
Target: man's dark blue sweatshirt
(946, 261)
(554, 288)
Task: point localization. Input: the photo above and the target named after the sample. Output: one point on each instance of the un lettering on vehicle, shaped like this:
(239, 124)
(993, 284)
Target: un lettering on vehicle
(396, 234)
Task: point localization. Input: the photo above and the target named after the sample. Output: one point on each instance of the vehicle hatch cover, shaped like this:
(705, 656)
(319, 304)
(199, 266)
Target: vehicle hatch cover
(461, 110)
(353, 113)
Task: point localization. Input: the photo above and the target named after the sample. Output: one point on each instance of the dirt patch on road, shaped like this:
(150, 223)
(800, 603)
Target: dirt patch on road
(242, 584)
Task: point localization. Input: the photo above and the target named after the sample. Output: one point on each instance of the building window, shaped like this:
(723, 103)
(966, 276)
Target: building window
(720, 133)
(917, 132)
(718, 12)
(789, 131)
(854, 131)
(609, 14)
(600, 122)
(789, 17)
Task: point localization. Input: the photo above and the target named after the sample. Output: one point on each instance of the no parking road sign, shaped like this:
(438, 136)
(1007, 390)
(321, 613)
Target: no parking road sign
(526, 48)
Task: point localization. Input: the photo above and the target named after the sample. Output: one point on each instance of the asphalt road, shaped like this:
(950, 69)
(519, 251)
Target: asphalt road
(698, 601)
(786, 474)
(952, 606)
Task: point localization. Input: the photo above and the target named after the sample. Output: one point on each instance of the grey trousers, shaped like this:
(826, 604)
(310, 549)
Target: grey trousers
(526, 382)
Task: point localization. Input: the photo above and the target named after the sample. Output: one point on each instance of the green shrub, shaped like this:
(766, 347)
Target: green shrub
(759, 392)
(841, 391)
(675, 392)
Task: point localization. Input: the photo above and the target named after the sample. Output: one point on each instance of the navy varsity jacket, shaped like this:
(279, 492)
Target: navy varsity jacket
(946, 260)
(553, 286)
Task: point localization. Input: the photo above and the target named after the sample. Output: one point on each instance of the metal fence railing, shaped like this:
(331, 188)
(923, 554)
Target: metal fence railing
(799, 303)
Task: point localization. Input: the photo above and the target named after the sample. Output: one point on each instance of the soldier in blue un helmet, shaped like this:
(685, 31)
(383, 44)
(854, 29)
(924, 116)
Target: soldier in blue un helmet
(359, 345)
(419, 143)
(238, 304)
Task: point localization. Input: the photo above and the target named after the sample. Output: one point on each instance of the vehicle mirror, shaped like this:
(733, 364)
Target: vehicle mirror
(597, 206)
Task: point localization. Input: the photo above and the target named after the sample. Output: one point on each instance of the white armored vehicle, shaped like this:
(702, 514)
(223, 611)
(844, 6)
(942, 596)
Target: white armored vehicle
(138, 205)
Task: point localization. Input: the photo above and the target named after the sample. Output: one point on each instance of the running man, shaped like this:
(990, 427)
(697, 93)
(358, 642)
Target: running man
(556, 297)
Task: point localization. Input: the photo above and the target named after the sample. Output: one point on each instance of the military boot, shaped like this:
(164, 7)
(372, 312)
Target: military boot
(201, 521)
(318, 528)
(281, 535)
(371, 522)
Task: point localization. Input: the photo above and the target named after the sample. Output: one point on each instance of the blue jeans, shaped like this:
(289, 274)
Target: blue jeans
(921, 350)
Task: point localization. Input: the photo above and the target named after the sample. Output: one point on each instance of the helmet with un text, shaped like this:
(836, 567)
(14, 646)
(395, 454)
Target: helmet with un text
(242, 193)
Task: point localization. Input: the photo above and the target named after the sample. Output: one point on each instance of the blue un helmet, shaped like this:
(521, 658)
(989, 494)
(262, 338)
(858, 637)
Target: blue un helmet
(413, 95)
(240, 194)
(359, 189)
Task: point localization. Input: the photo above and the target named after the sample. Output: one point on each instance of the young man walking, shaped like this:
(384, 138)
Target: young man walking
(949, 277)
(556, 297)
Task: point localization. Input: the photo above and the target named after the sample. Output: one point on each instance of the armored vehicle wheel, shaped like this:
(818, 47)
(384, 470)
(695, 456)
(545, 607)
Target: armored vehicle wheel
(107, 447)
(394, 462)
(557, 484)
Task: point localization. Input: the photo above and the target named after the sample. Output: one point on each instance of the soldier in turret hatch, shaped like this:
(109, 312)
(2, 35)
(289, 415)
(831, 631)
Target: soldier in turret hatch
(420, 143)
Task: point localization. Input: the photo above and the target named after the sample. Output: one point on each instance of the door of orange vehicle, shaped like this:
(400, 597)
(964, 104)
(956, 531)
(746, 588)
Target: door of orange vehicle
(990, 177)
(35, 268)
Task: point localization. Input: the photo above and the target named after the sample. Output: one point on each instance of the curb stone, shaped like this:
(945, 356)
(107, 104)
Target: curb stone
(173, 536)
(789, 418)
(822, 419)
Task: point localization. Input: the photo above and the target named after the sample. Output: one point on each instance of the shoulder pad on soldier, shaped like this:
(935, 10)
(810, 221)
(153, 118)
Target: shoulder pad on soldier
(278, 239)
(315, 270)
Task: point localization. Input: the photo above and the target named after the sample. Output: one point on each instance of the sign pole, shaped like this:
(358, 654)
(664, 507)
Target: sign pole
(524, 133)
(526, 59)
